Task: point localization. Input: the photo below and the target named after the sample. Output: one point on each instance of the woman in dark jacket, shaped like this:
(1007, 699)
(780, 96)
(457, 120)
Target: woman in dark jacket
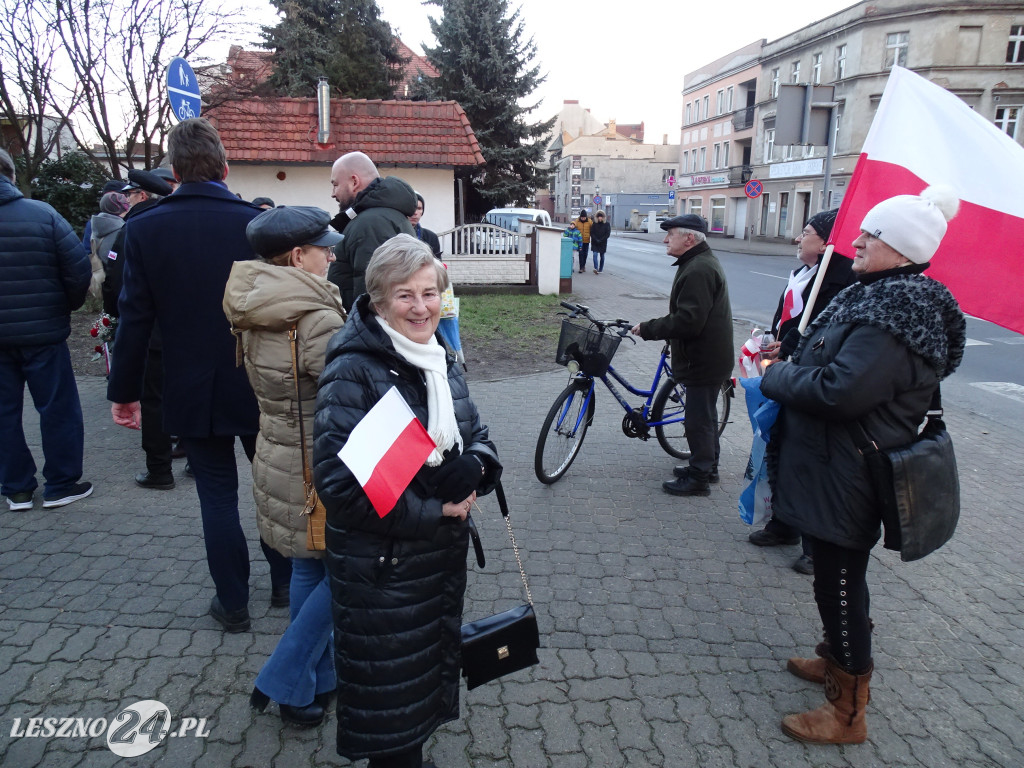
(398, 580)
(600, 231)
(874, 356)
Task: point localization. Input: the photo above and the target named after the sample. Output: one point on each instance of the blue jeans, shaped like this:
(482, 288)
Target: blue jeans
(51, 382)
(599, 261)
(227, 554)
(302, 664)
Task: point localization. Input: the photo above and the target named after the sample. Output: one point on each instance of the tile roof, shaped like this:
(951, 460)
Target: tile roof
(415, 66)
(392, 133)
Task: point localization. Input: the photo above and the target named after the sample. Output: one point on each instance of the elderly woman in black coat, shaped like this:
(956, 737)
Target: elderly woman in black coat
(874, 356)
(398, 581)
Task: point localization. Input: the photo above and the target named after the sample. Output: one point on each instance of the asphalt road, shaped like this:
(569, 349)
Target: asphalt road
(990, 382)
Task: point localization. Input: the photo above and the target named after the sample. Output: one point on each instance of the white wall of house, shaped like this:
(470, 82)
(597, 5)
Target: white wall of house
(311, 185)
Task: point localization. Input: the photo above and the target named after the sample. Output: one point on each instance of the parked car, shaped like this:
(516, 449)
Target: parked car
(657, 221)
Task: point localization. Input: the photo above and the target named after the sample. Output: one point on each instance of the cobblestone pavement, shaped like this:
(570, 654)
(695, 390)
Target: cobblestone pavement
(665, 633)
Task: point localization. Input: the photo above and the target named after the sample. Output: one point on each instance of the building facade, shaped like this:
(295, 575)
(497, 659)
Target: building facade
(717, 140)
(973, 49)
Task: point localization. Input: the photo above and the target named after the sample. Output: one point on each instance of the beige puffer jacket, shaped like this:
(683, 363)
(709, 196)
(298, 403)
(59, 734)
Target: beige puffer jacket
(261, 302)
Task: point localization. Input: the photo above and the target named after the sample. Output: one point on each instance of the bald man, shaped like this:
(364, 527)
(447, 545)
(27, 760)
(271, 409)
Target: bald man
(371, 210)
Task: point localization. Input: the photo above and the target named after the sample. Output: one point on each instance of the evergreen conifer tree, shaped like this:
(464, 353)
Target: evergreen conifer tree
(485, 63)
(345, 41)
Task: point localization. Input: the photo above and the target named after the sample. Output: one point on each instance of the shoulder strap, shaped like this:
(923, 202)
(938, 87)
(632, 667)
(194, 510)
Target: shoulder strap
(293, 334)
(499, 491)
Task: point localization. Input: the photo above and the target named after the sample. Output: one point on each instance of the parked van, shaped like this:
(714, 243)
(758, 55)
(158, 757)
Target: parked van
(508, 218)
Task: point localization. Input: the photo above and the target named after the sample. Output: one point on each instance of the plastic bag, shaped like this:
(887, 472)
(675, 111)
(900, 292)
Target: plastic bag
(755, 503)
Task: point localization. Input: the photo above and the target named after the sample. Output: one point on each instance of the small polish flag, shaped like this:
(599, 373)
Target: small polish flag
(386, 449)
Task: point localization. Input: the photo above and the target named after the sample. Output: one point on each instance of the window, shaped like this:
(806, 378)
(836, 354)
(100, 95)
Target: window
(703, 159)
(707, 107)
(720, 101)
(773, 88)
(718, 214)
(794, 72)
(666, 174)
(840, 62)
(686, 162)
(1008, 119)
(728, 99)
(816, 69)
(769, 144)
(1015, 48)
(695, 204)
(835, 137)
(588, 174)
(716, 156)
(896, 44)
(725, 154)
(687, 120)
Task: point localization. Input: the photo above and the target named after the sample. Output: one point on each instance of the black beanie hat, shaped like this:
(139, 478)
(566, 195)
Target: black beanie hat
(822, 222)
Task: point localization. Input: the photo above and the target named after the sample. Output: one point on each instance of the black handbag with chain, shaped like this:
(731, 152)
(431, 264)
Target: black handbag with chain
(506, 642)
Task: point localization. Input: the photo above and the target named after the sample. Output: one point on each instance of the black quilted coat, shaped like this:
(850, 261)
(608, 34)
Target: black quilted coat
(874, 355)
(398, 582)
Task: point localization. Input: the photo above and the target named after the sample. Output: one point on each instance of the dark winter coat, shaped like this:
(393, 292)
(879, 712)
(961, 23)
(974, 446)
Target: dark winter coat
(838, 275)
(44, 271)
(600, 231)
(874, 355)
(430, 238)
(382, 211)
(178, 255)
(699, 323)
(397, 582)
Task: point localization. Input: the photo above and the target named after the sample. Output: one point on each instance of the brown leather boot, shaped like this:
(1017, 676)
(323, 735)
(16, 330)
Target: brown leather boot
(810, 669)
(840, 720)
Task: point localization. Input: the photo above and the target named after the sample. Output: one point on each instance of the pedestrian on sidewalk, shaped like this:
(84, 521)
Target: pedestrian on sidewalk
(398, 581)
(600, 231)
(698, 328)
(178, 257)
(873, 357)
(44, 277)
(577, 239)
(583, 224)
(264, 300)
(785, 328)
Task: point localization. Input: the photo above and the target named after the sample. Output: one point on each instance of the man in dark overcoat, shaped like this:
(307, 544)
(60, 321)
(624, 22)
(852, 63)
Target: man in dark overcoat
(178, 256)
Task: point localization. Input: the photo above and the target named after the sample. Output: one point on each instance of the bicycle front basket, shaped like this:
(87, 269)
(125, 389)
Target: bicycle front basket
(592, 349)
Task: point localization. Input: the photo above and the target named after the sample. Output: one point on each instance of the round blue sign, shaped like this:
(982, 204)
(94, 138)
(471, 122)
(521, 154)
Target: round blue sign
(183, 90)
(753, 188)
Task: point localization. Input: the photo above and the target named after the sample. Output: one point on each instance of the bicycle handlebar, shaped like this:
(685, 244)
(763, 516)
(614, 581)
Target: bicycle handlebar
(579, 310)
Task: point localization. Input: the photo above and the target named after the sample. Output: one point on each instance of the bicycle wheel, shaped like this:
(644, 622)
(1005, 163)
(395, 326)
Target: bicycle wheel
(724, 403)
(560, 439)
(670, 404)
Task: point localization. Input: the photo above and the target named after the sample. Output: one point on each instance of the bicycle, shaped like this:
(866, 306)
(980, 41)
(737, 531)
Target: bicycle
(587, 352)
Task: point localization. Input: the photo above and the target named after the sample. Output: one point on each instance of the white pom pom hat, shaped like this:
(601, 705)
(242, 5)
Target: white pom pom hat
(913, 225)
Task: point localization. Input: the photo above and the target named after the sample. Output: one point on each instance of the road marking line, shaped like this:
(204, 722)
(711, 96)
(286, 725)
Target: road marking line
(765, 274)
(1005, 388)
(976, 343)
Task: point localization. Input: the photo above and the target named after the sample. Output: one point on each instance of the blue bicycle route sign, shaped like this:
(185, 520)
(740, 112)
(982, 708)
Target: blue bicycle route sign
(183, 90)
(753, 188)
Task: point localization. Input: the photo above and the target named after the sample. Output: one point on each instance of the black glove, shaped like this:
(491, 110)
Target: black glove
(457, 479)
(789, 343)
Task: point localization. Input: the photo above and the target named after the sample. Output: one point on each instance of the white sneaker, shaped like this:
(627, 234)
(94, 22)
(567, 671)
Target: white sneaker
(19, 501)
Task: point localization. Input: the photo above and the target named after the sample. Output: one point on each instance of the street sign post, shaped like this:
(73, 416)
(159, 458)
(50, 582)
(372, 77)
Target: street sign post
(598, 199)
(671, 194)
(183, 90)
(753, 189)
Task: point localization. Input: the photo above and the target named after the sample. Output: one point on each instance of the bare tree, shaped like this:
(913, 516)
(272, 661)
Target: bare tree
(117, 52)
(29, 50)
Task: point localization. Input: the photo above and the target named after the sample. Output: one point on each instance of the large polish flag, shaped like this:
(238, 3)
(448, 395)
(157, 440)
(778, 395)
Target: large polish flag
(922, 135)
(386, 449)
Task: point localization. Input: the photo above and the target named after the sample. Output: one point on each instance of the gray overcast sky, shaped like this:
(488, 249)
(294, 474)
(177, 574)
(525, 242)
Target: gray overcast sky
(624, 60)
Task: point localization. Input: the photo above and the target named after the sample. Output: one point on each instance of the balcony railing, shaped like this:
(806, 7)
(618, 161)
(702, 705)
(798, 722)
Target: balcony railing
(743, 119)
(740, 174)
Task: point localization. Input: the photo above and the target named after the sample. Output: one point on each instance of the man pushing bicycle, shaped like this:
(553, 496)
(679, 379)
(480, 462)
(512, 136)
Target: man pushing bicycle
(698, 328)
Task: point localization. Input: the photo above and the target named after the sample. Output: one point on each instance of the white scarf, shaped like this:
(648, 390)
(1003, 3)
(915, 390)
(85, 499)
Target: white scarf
(793, 303)
(431, 358)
